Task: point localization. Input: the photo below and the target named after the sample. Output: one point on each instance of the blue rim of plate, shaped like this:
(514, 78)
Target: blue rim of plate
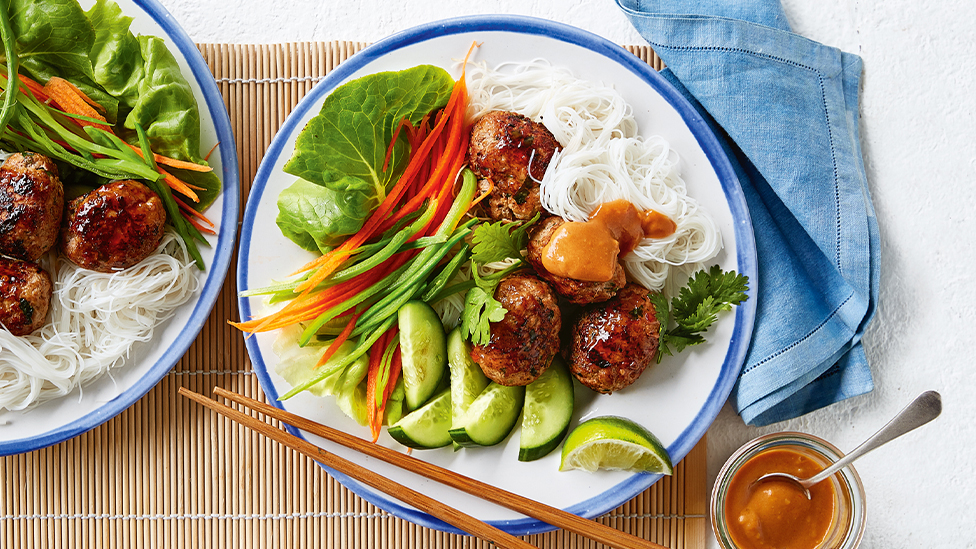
(745, 243)
(216, 271)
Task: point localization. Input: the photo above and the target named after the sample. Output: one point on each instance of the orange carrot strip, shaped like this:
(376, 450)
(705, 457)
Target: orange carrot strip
(396, 134)
(212, 149)
(172, 162)
(73, 101)
(339, 340)
(482, 196)
(34, 87)
(193, 212)
(196, 224)
(372, 376)
(178, 185)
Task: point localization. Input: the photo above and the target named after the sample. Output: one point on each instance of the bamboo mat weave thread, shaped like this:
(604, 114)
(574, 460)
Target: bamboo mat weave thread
(168, 473)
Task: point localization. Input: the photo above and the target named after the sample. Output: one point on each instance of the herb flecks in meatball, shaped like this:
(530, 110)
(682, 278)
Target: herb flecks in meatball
(522, 344)
(31, 204)
(577, 291)
(504, 147)
(113, 227)
(25, 295)
(614, 342)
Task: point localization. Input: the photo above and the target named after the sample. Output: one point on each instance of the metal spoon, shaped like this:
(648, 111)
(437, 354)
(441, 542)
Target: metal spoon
(922, 410)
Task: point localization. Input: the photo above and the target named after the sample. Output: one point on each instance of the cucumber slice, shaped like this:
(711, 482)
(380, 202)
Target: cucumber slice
(491, 417)
(548, 411)
(467, 379)
(423, 352)
(427, 426)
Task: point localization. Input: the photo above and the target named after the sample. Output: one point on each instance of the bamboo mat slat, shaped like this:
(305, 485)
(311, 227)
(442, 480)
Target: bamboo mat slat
(168, 473)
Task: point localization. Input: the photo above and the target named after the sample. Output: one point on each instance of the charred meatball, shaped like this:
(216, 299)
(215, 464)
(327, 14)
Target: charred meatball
(113, 227)
(523, 343)
(614, 342)
(576, 291)
(31, 204)
(25, 294)
(503, 144)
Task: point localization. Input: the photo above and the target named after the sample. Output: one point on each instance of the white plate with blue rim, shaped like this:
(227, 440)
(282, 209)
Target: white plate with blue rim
(677, 399)
(97, 402)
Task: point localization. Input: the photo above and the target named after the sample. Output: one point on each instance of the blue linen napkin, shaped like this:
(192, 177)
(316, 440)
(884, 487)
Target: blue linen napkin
(788, 109)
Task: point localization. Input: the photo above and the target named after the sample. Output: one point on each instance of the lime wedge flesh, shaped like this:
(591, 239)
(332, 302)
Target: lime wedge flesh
(612, 442)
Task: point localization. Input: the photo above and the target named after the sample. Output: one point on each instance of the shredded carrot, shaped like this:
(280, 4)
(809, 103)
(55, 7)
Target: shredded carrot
(437, 154)
(193, 212)
(339, 340)
(482, 196)
(74, 101)
(196, 224)
(179, 186)
(212, 149)
(172, 162)
(34, 87)
(396, 134)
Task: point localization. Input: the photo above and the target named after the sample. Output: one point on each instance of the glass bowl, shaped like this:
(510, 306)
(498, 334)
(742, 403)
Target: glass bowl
(847, 525)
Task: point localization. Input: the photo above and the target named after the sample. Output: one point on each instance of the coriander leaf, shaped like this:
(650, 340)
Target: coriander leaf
(481, 308)
(500, 240)
(696, 307)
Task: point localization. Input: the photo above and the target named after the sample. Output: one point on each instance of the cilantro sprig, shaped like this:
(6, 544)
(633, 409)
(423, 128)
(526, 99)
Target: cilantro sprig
(696, 308)
(492, 242)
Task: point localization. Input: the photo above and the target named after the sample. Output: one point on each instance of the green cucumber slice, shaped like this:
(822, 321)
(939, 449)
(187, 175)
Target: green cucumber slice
(427, 426)
(423, 352)
(548, 411)
(467, 378)
(491, 417)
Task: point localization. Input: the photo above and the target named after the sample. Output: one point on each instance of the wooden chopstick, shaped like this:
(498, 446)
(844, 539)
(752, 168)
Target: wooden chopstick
(420, 501)
(551, 515)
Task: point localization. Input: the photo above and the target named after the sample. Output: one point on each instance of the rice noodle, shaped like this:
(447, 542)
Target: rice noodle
(603, 159)
(94, 320)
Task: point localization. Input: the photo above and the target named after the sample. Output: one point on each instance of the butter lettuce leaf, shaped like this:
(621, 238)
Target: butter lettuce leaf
(116, 55)
(297, 364)
(350, 136)
(54, 38)
(316, 217)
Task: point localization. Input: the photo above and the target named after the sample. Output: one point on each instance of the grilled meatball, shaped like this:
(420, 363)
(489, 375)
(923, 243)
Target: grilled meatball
(25, 294)
(31, 203)
(502, 145)
(614, 342)
(576, 291)
(523, 343)
(113, 227)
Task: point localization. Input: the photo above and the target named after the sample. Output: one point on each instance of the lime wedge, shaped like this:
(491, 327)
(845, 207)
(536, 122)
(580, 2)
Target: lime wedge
(612, 442)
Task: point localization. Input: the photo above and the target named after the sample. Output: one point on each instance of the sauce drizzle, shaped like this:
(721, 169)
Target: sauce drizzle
(589, 250)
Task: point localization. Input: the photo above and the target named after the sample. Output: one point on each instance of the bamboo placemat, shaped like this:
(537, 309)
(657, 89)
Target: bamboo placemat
(169, 473)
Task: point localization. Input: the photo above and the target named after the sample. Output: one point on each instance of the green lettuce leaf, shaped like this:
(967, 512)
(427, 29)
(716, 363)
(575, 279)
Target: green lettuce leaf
(166, 108)
(350, 136)
(54, 38)
(297, 364)
(316, 217)
(116, 55)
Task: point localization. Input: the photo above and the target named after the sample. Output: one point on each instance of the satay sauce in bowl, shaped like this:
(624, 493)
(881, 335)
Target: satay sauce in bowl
(776, 514)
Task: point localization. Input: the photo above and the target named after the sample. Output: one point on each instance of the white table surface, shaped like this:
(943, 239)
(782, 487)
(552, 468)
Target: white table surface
(918, 108)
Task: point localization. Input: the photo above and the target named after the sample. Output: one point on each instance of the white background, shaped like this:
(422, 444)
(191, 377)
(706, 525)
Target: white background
(919, 137)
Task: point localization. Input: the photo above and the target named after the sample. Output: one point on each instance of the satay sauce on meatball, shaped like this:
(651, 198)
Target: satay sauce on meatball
(25, 295)
(31, 204)
(113, 227)
(577, 291)
(504, 147)
(522, 344)
(614, 342)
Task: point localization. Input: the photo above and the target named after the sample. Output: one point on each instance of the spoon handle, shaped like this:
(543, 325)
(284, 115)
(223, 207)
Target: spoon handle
(922, 410)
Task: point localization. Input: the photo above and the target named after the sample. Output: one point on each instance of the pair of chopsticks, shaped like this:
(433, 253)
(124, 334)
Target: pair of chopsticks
(556, 517)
